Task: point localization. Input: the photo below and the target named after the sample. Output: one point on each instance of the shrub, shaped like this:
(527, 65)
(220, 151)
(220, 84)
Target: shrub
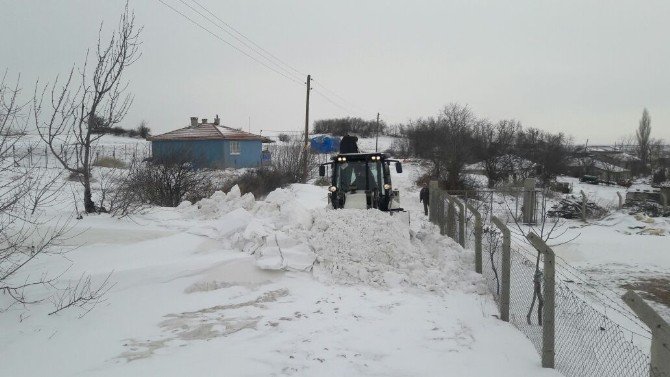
(322, 181)
(284, 137)
(143, 131)
(286, 168)
(163, 183)
(261, 182)
(109, 162)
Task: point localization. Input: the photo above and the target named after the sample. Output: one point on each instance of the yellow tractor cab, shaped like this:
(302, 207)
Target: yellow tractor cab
(362, 181)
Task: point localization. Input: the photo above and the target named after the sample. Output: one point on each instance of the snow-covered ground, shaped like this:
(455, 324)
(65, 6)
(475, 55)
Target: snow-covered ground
(281, 286)
(622, 250)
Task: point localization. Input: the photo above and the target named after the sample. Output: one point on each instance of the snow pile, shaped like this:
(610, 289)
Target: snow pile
(373, 248)
(340, 246)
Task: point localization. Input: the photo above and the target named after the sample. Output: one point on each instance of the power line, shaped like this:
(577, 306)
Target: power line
(333, 102)
(269, 56)
(337, 95)
(230, 44)
(277, 65)
(250, 41)
(269, 60)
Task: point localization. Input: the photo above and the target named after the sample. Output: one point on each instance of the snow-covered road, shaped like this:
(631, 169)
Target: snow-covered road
(191, 299)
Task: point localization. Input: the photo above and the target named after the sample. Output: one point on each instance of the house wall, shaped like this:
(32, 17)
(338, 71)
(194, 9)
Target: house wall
(249, 157)
(203, 153)
(210, 153)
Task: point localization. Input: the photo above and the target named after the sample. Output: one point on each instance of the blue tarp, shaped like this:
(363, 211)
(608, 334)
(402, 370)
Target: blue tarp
(325, 144)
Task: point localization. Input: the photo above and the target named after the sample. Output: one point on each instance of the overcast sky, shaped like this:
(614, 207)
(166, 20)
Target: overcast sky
(586, 68)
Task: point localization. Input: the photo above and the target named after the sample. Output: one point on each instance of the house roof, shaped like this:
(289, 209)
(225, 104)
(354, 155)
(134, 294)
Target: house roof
(597, 164)
(209, 131)
(515, 162)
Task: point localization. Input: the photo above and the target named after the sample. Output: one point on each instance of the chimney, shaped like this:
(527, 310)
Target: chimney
(217, 120)
(194, 121)
(204, 120)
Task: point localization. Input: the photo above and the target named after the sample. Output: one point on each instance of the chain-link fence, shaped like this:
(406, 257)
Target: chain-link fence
(38, 155)
(587, 335)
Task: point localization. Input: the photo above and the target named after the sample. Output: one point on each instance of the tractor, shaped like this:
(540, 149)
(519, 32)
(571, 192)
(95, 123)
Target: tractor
(362, 181)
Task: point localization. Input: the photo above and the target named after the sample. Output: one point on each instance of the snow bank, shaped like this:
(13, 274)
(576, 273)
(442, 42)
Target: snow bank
(291, 230)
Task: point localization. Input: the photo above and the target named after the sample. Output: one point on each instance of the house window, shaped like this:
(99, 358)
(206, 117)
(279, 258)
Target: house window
(234, 147)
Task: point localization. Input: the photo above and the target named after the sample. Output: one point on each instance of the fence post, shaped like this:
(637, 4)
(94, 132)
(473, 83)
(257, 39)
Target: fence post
(505, 291)
(443, 196)
(660, 333)
(548, 324)
(478, 238)
(620, 199)
(451, 218)
(583, 205)
(461, 220)
(529, 201)
(432, 201)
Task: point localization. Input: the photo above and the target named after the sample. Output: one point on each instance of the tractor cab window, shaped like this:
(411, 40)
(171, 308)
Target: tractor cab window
(357, 175)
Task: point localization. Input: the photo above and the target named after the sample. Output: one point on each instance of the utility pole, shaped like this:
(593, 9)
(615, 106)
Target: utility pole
(377, 137)
(305, 150)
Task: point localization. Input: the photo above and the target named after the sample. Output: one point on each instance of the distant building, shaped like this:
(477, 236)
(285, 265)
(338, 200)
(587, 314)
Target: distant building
(606, 172)
(210, 145)
(618, 156)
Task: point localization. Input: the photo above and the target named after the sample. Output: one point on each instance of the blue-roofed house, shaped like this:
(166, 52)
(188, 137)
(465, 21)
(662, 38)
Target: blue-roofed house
(209, 145)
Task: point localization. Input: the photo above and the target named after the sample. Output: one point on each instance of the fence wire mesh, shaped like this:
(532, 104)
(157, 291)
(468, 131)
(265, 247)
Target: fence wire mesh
(524, 307)
(30, 155)
(588, 341)
(492, 261)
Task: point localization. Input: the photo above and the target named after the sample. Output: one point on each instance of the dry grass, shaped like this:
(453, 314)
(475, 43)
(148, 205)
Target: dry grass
(109, 162)
(654, 289)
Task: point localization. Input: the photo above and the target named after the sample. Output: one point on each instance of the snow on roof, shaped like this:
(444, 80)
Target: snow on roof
(591, 162)
(516, 162)
(608, 167)
(642, 187)
(209, 131)
(627, 157)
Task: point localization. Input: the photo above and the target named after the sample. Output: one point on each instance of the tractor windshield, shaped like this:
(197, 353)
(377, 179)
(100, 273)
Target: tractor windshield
(359, 175)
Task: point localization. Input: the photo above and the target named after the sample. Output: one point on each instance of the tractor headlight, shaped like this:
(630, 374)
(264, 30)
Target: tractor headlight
(387, 186)
(332, 188)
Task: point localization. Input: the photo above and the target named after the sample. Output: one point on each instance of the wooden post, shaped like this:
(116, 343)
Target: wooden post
(432, 201)
(620, 199)
(548, 324)
(583, 205)
(306, 141)
(505, 278)
(660, 333)
(461, 221)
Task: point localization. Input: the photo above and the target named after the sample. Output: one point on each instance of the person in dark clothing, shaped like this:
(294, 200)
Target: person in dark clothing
(423, 197)
(348, 144)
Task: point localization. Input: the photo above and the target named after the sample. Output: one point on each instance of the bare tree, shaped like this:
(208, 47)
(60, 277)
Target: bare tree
(447, 141)
(25, 189)
(89, 102)
(643, 139)
(552, 231)
(495, 145)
